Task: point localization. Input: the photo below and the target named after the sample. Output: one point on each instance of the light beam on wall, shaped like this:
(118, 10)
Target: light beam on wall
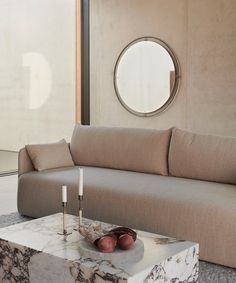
(40, 78)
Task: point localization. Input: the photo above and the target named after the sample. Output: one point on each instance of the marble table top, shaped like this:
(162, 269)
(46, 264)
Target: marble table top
(163, 257)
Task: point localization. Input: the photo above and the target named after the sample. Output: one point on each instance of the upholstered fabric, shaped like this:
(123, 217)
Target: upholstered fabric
(201, 211)
(51, 155)
(24, 162)
(140, 150)
(204, 212)
(202, 157)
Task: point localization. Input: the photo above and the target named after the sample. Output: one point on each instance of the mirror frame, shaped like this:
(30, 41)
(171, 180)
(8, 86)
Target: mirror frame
(176, 82)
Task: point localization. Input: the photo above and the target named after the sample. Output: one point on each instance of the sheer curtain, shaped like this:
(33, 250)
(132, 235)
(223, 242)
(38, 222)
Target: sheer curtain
(37, 71)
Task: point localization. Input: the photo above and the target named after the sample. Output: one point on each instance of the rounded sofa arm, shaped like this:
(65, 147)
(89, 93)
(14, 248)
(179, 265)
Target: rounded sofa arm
(24, 162)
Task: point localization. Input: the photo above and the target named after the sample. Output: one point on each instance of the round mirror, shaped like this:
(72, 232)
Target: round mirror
(146, 76)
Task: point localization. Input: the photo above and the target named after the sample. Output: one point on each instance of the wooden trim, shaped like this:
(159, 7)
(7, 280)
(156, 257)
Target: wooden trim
(82, 63)
(85, 62)
(78, 62)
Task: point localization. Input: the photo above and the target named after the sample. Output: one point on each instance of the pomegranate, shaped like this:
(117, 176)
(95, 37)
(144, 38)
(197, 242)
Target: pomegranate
(125, 241)
(106, 244)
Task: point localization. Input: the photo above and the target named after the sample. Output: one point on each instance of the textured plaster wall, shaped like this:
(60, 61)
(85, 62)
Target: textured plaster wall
(203, 36)
(37, 71)
(211, 92)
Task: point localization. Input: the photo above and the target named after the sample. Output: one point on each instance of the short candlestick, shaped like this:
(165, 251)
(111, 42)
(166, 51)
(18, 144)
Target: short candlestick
(64, 230)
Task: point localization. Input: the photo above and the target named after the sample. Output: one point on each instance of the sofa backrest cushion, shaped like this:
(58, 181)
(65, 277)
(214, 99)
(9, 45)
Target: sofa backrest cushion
(203, 157)
(51, 155)
(140, 150)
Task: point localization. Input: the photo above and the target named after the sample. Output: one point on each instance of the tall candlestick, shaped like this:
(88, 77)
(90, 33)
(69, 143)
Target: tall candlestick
(81, 177)
(64, 193)
(80, 211)
(80, 218)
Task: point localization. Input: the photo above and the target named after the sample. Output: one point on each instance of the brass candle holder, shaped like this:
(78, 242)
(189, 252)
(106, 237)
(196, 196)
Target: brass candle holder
(80, 218)
(64, 230)
(80, 198)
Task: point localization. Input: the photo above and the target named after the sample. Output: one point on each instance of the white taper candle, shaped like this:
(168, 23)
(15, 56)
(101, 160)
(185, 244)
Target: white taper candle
(81, 177)
(64, 193)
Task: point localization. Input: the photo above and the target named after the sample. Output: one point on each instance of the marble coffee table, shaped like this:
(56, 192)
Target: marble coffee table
(33, 252)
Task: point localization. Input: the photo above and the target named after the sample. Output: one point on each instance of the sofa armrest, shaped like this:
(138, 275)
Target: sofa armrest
(24, 162)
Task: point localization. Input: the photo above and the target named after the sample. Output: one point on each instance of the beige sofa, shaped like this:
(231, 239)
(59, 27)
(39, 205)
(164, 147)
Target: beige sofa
(170, 182)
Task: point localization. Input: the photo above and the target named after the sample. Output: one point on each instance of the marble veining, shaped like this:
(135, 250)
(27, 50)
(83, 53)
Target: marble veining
(34, 252)
(14, 262)
(186, 269)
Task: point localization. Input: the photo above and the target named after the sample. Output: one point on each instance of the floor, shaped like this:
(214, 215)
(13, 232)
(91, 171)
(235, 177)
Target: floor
(8, 194)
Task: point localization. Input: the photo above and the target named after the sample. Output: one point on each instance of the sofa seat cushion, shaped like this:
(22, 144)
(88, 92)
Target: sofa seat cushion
(204, 212)
(140, 150)
(203, 157)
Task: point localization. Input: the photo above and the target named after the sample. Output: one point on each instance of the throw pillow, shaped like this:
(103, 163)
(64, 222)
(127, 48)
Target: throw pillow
(49, 156)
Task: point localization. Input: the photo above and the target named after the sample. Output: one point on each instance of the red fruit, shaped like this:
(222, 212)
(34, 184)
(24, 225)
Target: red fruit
(106, 244)
(118, 231)
(125, 241)
(113, 235)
